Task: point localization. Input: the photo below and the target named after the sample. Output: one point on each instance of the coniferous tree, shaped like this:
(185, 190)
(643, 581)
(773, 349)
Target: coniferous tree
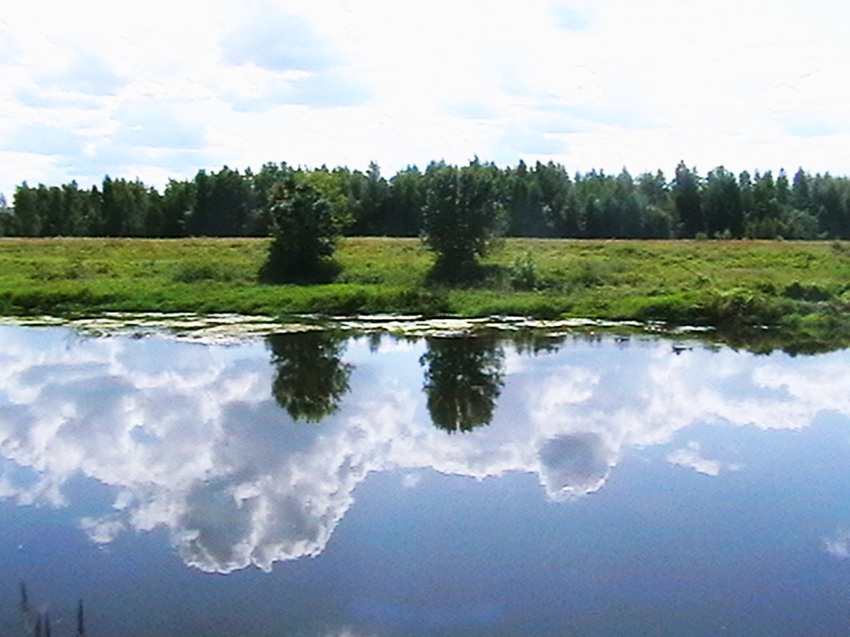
(686, 197)
(369, 197)
(404, 203)
(557, 199)
(721, 204)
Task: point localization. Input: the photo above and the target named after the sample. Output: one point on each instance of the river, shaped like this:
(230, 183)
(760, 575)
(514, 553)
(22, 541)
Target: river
(341, 484)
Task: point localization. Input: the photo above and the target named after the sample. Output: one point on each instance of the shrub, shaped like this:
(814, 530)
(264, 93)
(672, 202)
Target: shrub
(305, 234)
(523, 273)
(461, 217)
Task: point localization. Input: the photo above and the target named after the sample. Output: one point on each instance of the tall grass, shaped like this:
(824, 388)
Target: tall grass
(718, 283)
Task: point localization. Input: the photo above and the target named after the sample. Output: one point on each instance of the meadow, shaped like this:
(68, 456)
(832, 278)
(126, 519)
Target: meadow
(797, 288)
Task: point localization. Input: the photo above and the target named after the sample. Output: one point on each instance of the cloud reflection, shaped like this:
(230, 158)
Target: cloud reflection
(838, 545)
(190, 436)
(691, 457)
(574, 464)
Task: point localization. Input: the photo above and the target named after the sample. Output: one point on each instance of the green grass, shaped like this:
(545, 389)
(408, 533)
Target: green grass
(801, 287)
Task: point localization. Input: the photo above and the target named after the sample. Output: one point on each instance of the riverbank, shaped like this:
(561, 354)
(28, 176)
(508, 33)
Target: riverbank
(799, 289)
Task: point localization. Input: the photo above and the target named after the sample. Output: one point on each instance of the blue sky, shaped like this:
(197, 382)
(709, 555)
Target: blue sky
(162, 90)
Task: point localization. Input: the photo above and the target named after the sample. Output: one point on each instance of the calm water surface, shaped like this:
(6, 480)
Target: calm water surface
(312, 484)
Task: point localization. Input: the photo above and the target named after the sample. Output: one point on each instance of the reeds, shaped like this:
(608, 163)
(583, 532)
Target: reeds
(36, 622)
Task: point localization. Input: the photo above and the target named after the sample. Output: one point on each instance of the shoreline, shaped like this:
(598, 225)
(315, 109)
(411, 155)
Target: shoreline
(759, 295)
(233, 328)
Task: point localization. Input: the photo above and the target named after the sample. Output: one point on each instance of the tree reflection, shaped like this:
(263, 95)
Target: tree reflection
(310, 378)
(463, 379)
(534, 342)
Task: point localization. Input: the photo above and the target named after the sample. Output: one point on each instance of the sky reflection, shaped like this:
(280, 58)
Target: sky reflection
(196, 438)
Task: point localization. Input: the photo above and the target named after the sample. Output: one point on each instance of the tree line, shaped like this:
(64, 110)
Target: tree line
(542, 200)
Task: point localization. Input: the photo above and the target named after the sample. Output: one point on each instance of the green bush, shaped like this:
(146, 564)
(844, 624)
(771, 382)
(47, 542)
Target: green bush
(305, 234)
(802, 292)
(739, 306)
(461, 218)
(523, 273)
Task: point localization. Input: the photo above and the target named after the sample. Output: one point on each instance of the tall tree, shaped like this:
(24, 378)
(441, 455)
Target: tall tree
(526, 216)
(628, 212)
(74, 204)
(829, 205)
(198, 222)
(686, 197)
(657, 217)
(6, 217)
(745, 187)
(404, 203)
(557, 199)
(800, 193)
(369, 194)
(178, 200)
(264, 185)
(222, 203)
(721, 204)
(110, 210)
(51, 209)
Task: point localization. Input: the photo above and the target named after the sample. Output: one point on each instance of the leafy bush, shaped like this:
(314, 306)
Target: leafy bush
(306, 232)
(523, 273)
(461, 217)
(739, 306)
(802, 292)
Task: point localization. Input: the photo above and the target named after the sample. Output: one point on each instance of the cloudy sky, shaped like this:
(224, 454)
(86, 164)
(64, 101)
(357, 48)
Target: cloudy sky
(163, 89)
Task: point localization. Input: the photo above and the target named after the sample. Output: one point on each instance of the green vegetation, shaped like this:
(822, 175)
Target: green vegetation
(310, 377)
(542, 200)
(463, 380)
(800, 288)
(461, 219)
(305, 232)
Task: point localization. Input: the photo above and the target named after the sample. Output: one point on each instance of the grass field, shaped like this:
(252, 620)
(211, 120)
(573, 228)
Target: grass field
(798, 287)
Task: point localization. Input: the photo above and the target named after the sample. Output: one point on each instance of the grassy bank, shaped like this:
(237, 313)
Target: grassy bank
(801, 288)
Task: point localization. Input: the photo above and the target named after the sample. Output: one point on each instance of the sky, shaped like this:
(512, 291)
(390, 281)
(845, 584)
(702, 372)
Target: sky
(163, 89)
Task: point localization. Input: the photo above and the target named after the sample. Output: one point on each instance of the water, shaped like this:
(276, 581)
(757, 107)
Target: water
(313, 484)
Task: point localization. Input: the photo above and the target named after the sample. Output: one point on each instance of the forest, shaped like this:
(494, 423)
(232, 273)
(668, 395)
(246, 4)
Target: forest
(542, 200)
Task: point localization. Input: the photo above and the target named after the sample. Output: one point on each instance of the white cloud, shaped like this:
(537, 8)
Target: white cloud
(757, 85)
(271, 38)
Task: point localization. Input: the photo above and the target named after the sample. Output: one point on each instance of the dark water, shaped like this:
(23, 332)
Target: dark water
(318, 485)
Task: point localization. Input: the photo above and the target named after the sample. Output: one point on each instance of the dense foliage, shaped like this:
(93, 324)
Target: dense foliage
(542, 200)
(461, 216)
(310, 378)
(463, 378)
(305, 231)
